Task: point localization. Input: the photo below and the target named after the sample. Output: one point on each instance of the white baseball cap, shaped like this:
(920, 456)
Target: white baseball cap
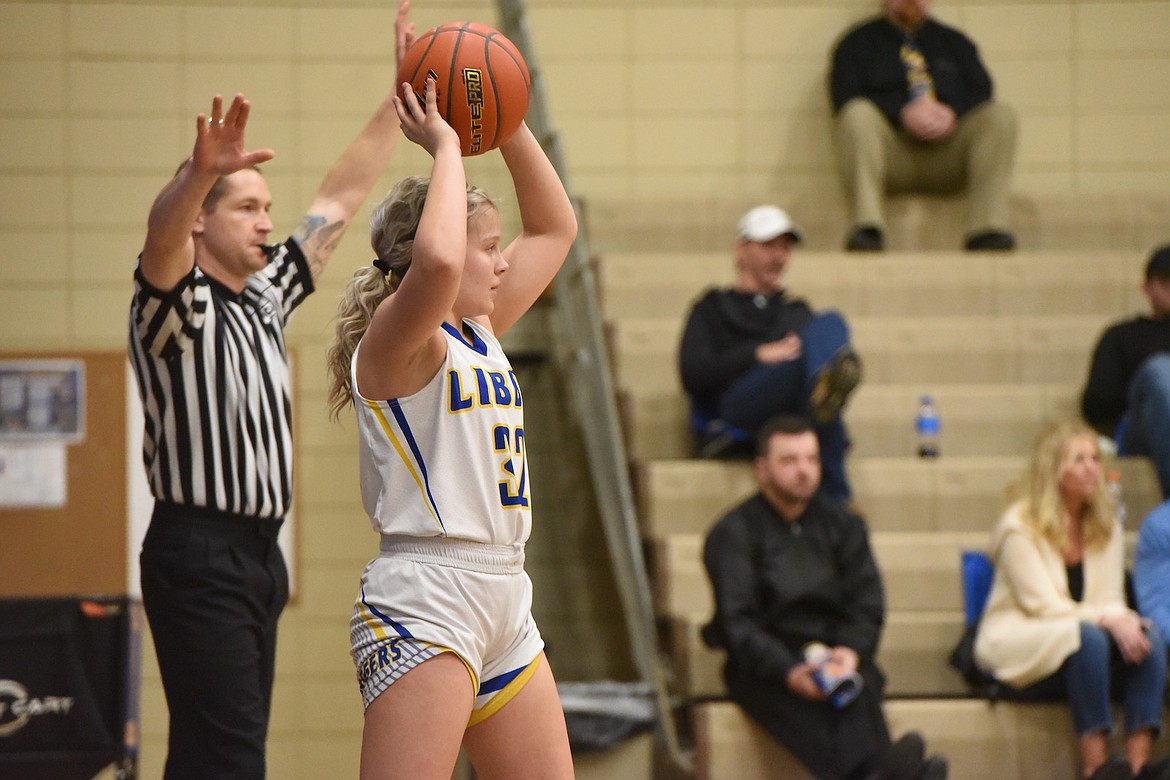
(763, 223)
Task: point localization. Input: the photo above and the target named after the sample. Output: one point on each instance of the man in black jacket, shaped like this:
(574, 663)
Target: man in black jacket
(790, 568)
(914, 113)
(1127, 395)
(752, 351)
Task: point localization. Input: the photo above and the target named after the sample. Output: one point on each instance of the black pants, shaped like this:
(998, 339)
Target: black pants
(213, 586)
(834, 744)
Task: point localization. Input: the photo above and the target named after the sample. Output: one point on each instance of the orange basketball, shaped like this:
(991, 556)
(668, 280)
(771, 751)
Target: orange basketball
(481, 81)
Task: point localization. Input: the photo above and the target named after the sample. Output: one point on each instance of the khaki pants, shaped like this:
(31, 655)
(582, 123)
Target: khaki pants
(874, 159)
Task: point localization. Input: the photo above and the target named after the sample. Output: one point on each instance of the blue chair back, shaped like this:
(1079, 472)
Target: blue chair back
(977, 575)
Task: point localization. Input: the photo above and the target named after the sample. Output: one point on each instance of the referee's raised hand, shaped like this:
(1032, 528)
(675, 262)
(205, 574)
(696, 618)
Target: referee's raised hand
(219, 139)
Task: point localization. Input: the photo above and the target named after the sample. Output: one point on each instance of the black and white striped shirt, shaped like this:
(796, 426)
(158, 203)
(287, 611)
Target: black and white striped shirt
(213, 377)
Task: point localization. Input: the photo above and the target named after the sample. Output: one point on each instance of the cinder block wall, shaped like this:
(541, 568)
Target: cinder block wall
(676, 115)
(679, 115)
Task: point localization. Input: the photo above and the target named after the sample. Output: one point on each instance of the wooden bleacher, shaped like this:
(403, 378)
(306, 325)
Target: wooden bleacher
(981, 740)
(1002, 342)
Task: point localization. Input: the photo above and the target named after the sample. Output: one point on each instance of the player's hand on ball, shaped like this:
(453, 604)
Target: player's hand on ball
(482, 84)
(423, 124)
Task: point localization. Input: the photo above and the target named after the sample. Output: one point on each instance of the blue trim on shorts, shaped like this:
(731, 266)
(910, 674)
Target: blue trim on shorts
(401, 629)
(499, 681)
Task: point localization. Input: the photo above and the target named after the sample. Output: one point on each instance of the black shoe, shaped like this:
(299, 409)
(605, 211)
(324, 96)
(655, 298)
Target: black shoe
(1155, 770)
(934, 768)
(833, 385)
(865, 238)
(903, 759)
(991, 241)
(716, 445)
(1115, 768)
(719, 440)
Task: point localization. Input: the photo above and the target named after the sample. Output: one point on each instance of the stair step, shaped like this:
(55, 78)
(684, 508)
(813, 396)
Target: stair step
(977, 419)
(913, 654)
(902, 350)
(641, 284)
(950, 494)
(920, 572)
(1005, 740)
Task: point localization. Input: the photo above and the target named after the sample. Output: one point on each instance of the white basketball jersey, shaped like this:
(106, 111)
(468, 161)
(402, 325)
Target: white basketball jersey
(450, 459)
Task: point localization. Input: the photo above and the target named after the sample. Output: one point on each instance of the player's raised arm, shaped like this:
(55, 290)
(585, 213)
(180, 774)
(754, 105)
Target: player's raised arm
(548, 228)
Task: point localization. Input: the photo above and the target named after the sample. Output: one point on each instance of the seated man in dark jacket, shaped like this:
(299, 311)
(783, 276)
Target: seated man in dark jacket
(791, 568)
(752, 351)
(1127, 395)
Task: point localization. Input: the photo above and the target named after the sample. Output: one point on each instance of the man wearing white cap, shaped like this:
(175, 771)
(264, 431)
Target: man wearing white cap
(751, 352)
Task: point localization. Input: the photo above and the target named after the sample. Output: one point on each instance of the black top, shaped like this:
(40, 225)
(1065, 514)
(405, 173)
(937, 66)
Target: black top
(1076, 580)
(780, 585)
(722, 332)
(866, 63)
(1120, 352)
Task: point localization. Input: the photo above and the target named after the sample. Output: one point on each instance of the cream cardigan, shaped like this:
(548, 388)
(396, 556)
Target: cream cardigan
(1031, 623)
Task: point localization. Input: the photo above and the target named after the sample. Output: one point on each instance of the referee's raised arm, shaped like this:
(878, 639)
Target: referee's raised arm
(350, 179)
(169, 251)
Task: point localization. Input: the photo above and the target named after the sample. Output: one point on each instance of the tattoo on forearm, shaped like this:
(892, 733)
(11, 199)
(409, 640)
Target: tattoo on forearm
(318, 239)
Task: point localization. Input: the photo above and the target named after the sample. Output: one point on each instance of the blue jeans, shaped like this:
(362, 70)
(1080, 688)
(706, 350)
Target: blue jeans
(1089, 676)
(784, 388)
(1147, 418)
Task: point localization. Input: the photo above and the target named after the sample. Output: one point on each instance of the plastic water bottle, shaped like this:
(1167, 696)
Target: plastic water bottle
(926, 428)
(1113, 483)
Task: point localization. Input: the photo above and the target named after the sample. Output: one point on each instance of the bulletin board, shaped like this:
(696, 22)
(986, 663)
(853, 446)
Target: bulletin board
(80, 546)
(90, 543)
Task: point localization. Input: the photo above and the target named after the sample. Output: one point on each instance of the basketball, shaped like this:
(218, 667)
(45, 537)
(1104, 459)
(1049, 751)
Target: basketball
(482, 83)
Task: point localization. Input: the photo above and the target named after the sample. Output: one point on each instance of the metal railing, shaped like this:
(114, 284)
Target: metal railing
(580, 354)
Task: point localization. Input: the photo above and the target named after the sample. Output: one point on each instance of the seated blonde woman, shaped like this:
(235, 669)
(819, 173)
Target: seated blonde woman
(1056, 622)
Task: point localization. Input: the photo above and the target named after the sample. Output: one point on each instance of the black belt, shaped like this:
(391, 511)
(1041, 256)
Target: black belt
(217, 519)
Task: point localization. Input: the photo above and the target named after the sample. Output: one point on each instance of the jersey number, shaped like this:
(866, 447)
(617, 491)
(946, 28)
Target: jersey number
(509, 442)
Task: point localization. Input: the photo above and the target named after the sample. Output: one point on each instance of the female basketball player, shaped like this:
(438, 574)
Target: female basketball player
(442, 635)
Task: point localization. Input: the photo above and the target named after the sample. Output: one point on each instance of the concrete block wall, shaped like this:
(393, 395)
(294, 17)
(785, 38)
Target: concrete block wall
(676, 115)
(691, 111)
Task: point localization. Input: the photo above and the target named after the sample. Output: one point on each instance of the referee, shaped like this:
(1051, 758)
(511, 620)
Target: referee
(207, 322)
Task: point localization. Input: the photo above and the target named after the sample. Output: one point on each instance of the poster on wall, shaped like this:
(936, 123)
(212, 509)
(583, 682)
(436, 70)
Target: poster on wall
(42, 401)
(42, 410)
(32, 476)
